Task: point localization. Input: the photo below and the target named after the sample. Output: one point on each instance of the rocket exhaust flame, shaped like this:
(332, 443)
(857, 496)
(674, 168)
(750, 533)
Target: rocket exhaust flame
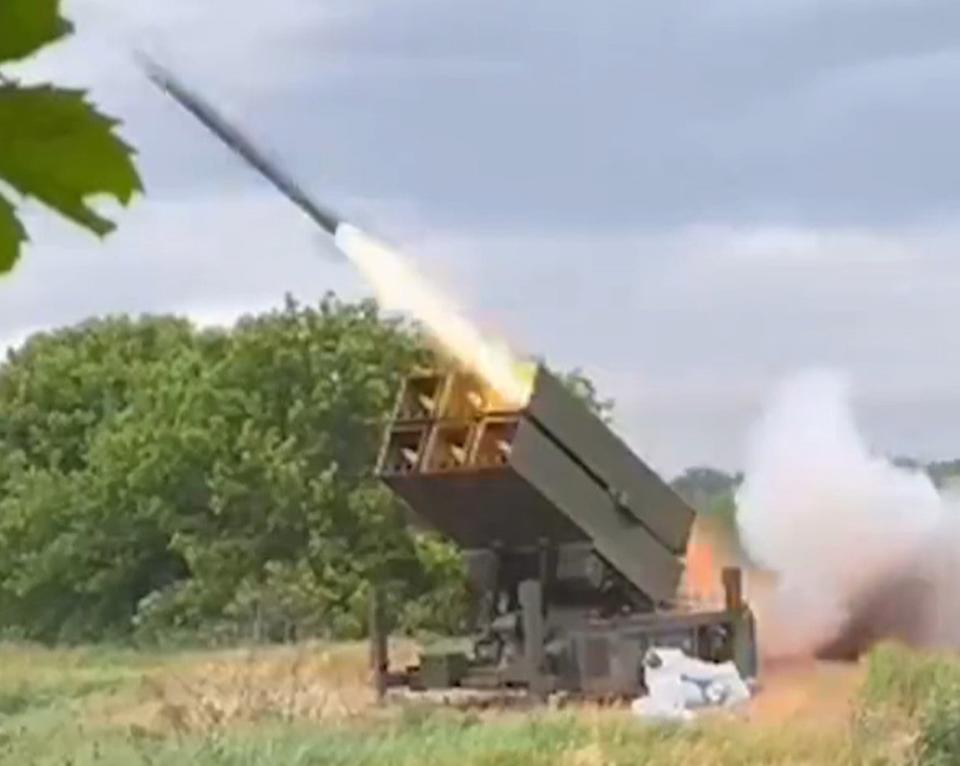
(397, 284)
(701, 570)
(710, 550)
(400, 288)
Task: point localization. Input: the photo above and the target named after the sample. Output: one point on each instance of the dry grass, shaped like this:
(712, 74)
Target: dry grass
(202, 693)
(718, 739)
(311, 704)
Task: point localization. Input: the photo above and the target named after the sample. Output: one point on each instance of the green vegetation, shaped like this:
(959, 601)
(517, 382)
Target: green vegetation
(923, 689)
(157, 480)
(54, 145)
(308, 705)
(163, 483)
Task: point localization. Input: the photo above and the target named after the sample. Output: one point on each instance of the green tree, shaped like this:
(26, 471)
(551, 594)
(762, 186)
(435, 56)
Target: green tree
(703, 486)
(54, 145)
(158, 479)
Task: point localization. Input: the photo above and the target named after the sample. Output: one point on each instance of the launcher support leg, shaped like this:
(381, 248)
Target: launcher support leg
(530, 593)
(733, 588)
(744, 638)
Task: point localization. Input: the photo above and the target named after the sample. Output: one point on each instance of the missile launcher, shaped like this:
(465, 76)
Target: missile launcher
(574, 546)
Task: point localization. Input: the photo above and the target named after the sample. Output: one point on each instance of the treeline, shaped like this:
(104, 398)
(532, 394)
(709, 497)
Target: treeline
(156, 480)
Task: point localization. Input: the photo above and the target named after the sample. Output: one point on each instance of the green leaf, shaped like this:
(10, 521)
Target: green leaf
(28, 25)
(12, 235)
(58, 148)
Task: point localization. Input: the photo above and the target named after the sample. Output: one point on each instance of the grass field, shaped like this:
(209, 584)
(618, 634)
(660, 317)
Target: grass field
(310, 705)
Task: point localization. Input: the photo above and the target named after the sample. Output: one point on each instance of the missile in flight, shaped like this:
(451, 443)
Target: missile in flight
(398, 286)
(217, 124)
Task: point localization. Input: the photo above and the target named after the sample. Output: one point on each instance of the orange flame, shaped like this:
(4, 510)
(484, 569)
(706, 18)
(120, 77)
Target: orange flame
(701, 569)
(399, 287)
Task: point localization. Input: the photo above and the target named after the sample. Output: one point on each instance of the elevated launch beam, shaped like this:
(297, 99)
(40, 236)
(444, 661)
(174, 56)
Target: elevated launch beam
(611, 463)
(550, 473)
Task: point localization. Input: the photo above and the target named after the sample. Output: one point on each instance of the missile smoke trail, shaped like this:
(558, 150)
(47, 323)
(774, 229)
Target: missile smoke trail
(400, 288)
(396, 283)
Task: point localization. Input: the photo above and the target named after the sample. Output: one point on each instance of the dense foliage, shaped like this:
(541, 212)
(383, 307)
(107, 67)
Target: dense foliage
(156, 479)
(54, 145)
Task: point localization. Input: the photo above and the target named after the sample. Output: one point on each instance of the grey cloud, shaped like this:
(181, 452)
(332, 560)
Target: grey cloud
(688, 199)
(586, 114)
(571, 115)
(212, 258)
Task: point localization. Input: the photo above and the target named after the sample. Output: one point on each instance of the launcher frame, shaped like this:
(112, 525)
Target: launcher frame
(574, 546)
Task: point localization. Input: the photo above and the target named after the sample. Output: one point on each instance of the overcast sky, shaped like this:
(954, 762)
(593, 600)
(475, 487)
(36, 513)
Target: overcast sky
(689, 200)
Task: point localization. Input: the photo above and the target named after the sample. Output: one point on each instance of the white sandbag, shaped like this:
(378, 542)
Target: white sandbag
(677, 685)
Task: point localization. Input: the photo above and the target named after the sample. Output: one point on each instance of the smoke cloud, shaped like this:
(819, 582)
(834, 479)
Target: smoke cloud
(860, 549)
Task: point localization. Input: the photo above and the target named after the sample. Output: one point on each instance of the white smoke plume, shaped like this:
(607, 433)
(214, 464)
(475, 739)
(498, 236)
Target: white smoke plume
(860, 548)
(400, 287)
